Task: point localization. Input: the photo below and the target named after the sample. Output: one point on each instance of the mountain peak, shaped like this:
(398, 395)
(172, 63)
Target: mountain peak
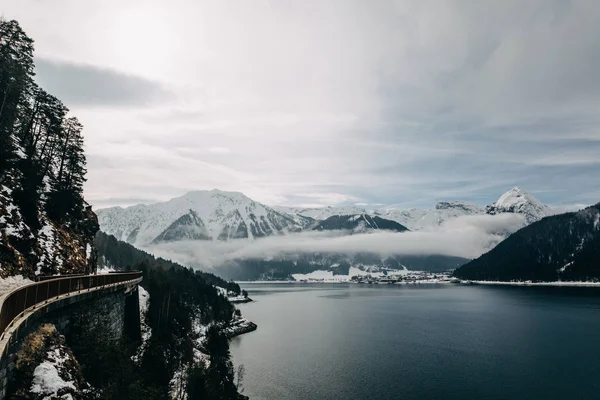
(516, 196)
(200, 214)
(517, 200)
(463, 205)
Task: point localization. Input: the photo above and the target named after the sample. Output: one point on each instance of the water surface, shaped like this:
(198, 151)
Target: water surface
(319, 341)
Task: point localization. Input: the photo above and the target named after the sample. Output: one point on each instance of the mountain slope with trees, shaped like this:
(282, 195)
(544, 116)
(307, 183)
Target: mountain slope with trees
(358, 223)
(46, 227)
(560, 247)
(118, 255)
(180, 301)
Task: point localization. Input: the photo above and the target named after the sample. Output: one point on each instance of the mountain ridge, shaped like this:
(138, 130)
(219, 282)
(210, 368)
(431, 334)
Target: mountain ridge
(359, 223)
(558, 247)
(514, 200)
(221, 215)
(203, 215)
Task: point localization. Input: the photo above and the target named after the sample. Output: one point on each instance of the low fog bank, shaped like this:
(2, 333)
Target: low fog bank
(468, 237)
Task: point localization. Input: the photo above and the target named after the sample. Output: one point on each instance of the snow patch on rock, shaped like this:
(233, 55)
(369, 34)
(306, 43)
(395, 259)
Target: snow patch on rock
(144, 300)
(46, 379)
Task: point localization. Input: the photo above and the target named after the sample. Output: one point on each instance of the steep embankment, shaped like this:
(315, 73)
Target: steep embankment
(560, 247)
(46, 368)
(46, 227)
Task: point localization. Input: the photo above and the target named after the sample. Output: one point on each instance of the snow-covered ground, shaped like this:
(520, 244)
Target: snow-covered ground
(46, 238)
(144, 300)
(238, 327)
(328, 276)
(12, 282)
(231, 296)
(177, 385)
(526, 283)
(105, 270)
(239, 299)
(46, 379)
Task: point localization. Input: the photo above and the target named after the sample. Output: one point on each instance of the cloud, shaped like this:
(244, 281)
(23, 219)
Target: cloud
(397, 102)
(468, 237)
(219, 150)
(92, 86)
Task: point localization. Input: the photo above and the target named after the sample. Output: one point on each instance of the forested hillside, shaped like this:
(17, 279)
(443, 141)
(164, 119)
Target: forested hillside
(187, 353)
(46, 227)
(358, 223)
(113, 253)
(560, 247)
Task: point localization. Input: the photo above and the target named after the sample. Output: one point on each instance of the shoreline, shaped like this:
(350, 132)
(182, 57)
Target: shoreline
(464, 282)
(239, 327)
(550, 284)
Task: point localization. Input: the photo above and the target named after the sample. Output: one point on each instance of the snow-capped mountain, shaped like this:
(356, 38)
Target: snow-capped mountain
(219, 215)
(514, 201)
(519, 201)
(358, 223)
(418, 220)
(322, 213)
(197, 215)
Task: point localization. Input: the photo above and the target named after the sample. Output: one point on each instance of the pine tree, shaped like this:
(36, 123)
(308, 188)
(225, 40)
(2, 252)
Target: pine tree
(16, 83)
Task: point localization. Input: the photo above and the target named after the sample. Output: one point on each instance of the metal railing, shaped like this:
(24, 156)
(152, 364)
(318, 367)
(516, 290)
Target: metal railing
(25, 297)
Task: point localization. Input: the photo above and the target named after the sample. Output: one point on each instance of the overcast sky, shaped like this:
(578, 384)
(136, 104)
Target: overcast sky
(297, 102)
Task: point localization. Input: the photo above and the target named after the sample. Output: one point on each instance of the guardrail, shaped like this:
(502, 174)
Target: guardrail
(25, 297)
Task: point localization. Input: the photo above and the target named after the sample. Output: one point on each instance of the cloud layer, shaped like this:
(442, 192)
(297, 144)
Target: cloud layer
(83, 85)
(467, 237)
(336, 101)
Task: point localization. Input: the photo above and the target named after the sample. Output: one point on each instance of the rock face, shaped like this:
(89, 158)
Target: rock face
(199, 215)
(47, 369)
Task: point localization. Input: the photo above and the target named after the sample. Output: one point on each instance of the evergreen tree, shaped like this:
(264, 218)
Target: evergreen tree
(16, 82)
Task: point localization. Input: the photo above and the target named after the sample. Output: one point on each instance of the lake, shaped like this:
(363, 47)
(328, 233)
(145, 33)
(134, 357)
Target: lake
(344, 341)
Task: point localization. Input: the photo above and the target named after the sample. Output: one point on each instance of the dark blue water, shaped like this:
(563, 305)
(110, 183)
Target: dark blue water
(420, 342)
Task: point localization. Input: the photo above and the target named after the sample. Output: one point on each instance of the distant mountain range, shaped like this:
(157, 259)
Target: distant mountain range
(561, 247)
(198, 215)
(515, 200)
(219, 215)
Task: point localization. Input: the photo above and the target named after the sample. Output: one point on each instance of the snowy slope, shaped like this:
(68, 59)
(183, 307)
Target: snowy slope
(519, 201)
(49, 248)
(418, 220)
(204, 215)
(322, 213)
(219, 215)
